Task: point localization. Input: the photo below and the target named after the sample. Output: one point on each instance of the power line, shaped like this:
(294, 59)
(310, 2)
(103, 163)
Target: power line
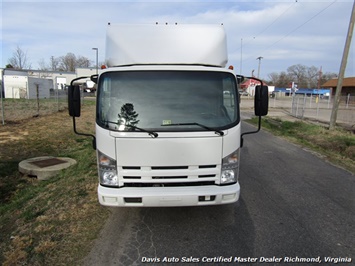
(300, 26)
(295, 29)
(267, 27)
(275, 20)
(241, 40)
(259, 58)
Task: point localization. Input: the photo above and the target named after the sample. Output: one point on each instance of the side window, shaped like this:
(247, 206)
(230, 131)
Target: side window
(104, 100)
(229, 97)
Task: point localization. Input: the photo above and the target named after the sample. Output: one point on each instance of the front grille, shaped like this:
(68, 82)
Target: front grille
(131, 177)
(131, 167)
(205, 176)
(169, 167)
(207, 166)
(190, 184)
(169, 176)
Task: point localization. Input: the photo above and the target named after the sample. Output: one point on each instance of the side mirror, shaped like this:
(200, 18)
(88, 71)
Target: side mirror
(240, 79)
(94, 78)
(261, 105)
(74, 100)
(261, 100)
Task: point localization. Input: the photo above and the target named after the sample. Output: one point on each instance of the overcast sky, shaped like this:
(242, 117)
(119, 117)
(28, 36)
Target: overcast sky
(283, 33)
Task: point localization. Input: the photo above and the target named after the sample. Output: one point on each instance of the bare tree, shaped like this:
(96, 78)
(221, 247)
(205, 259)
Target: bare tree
(42, 65)
(305, 77)
(19, 59)
(67, 62)
(298, 75)
(312, 76)
(273, 78)
(54, 63)
(280, 80)
(83, 61)
(327, 76)
(44, 68)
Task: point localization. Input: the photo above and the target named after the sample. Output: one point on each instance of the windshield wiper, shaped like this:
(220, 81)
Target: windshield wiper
(219, 132)
(151, 133)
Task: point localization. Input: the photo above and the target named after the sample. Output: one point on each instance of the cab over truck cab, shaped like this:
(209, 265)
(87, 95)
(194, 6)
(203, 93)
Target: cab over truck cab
(168, 129)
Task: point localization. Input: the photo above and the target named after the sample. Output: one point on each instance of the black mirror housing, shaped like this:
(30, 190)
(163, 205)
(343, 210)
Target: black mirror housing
(74, 100)
(261, 100)
(240, 79)
(94, 78)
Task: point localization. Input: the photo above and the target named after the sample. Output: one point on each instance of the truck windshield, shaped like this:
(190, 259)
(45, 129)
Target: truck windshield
(167, 100)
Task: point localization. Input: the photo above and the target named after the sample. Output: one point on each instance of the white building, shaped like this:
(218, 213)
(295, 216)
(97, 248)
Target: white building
(27, 83)
(16, 86)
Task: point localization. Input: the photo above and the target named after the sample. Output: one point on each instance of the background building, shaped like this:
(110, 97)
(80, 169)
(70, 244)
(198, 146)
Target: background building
(31, 84)
(348, 87)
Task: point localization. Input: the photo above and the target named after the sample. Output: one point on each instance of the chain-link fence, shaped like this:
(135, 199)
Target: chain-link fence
(316, 107)
(300, 106)
(18, 109)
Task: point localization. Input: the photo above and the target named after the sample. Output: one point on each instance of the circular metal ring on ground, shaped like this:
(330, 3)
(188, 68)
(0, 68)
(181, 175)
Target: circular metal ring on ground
(45, 167)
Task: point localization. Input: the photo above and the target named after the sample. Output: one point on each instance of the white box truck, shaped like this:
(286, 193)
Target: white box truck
(168, 128)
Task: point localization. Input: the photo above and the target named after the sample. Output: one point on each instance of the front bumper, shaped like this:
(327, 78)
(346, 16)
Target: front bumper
(168, 196)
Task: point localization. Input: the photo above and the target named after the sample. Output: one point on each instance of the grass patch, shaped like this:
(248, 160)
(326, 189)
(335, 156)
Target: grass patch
(338, 146)
(42, 221)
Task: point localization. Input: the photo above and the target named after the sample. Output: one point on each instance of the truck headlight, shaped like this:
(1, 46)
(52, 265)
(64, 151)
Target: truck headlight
(107, 170)
(230, 168)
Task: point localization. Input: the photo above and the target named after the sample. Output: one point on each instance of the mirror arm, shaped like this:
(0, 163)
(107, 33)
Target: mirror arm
(250, 132)
(74, 121)
(72, 82)
(84, 134)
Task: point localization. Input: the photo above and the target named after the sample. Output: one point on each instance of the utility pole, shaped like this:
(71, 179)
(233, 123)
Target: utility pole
(241, 55)
(97, 59)
(259, 58)
(319, 77)
(2, 89)
(344, 61)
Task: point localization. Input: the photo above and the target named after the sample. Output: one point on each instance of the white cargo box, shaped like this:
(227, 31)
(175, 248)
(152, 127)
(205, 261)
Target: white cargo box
(166, 44)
